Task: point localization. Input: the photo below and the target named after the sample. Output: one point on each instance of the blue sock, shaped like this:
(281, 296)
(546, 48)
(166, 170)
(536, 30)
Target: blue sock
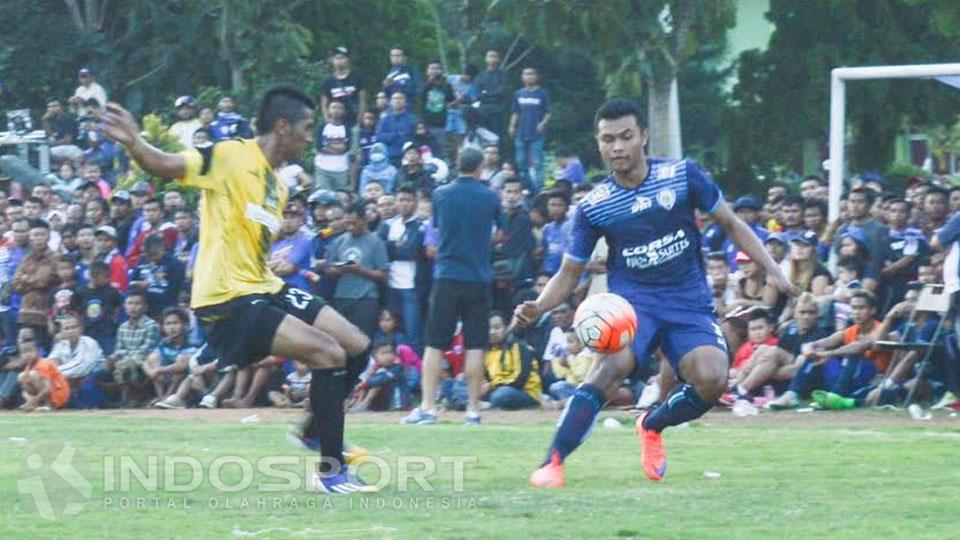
(577, 420)
(683, 404)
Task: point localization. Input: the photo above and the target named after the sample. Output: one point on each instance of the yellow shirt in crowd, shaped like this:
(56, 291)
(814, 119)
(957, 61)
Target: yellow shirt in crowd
(241, 209)
(504, 367)
(576, 370)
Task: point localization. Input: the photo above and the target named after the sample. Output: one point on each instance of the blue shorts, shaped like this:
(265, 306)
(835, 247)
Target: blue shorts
(676, 332)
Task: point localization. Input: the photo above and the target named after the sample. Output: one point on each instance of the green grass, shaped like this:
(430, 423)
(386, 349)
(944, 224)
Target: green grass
(798, 482)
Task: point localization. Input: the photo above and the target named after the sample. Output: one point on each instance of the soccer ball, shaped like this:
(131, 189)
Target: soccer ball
(605, 323)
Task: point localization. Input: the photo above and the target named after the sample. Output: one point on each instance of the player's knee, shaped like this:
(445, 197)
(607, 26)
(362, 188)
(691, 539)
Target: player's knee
(709, 379)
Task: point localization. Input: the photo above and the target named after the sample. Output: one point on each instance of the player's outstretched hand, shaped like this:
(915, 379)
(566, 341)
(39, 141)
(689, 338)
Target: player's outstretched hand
(783, 285)
(119, 125)
(525, 314)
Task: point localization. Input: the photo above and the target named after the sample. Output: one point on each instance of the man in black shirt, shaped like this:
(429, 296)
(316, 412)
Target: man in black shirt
(511, 255)
(436, 97)
(344, 85)
(61, 129)
(492, 89)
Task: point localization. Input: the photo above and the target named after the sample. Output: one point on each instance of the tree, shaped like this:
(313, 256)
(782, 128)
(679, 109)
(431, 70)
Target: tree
(628, 38)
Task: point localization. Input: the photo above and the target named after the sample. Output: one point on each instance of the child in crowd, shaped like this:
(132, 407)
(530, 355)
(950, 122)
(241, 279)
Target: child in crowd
(295, 391)
(385, 388)
(760, 331)
(571, 370)
(41, 383)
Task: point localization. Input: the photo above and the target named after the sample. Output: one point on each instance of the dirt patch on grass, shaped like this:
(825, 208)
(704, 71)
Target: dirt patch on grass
(865, 418)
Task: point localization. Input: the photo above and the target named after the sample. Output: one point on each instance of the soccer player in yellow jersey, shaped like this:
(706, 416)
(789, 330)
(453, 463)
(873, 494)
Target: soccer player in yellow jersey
(246, 311)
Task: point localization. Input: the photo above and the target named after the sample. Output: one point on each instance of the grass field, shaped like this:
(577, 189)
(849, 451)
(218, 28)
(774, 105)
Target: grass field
(857, 475)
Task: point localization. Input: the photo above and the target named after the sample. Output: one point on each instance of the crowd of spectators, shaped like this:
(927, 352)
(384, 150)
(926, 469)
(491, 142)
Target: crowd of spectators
(95, 271)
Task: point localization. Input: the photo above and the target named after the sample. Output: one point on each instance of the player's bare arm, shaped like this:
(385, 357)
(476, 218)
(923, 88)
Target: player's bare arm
(747, 240)
(119, 125)
(557, 290)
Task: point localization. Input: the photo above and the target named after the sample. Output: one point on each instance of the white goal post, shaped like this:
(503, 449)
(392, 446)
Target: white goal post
(838, 113)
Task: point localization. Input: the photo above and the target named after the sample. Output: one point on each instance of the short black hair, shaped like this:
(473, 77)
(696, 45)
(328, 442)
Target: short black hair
(35, 200)
(718, 256)
(793, 200)
(866, 295)
(558, 194)
(618, 108)
(178, 312)
(760, 314)
(381, 344)
(513, 180)
(471, 70)
(897, 199)
(816, 203)
(98, 266)
(358, 208)
(39, 224)
(282, 103)
(156, 199)
(469, 160)
(934, 190)
(407, 188)
(870, 194)
(813, 177)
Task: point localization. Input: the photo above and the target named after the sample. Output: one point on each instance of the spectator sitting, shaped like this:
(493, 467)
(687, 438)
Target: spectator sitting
(412, 171)
(41, 383)
(853, 245)
(396, 127)
(570, 371)
(556, 233)
(159, 275)
(569, 167)
(290, 254)
(720, 281)
(136, 339)
(295, 391)
(99, 305)
(229, 124)
(849, 274)
(202, 371)
(379, 170)
(93, 176)
(154, 223)
(511, 369)
(780, 363)
(109, 254)
(490, 170)
(760, 331)
(167, 364)
(61, 130)
(385, 389)
(424, 141)
(805, 270)
(244, 394)
(367, 138)
(75, 354)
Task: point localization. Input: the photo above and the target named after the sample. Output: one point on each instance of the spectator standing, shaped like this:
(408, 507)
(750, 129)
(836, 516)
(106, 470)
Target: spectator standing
(874, 232)
(379, 170)
(34, 281)
(99, 306)
(556, 234)
(332, 161)
(401, 77)
(466, 93)
(413, 171)
(512, 255)
(229, 124)
(906, 247)
(61, 130)
(11, 255)
(491, 171)
(492, 92)
(344, 85)
(528, 126)
(159, 275)
(88, 89)
(289, 256)
(121, 217)
(465, 213)
(436, 99)
(358, 259)
(366, 138)
(569, 167)
(747, 208)
(396, 127)
(403, 236)
(185, 109)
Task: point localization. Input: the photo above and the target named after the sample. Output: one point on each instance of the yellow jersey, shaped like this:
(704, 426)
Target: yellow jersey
(241, 208)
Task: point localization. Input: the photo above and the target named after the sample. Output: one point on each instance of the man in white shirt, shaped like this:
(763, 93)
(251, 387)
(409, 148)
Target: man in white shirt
(88, 88)
(333, 141)
(187, 122)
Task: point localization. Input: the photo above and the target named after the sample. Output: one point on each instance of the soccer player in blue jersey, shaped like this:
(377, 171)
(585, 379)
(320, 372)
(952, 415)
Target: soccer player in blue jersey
(646, 212)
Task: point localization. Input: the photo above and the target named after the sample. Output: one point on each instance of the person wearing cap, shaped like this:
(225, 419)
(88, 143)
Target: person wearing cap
(88, 89)
(413, 171)
(154, 222)
(397, 127)
(289, 255)
(159, 274)
(106, 251)
(466, 212)
(777, 245)
(804, 269)
(185, 107)
(122, 216)
(401, 77)
(344, 84)
(332, 161)
(873, 233)
(747, 208)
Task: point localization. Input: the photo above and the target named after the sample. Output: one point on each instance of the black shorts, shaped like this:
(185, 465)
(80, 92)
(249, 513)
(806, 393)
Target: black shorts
(465, 300)
(241, 331)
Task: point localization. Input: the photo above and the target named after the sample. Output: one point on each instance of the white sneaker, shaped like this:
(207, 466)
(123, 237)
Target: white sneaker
(649, 396)
(209, 401)
(742, 408)
(172, 402)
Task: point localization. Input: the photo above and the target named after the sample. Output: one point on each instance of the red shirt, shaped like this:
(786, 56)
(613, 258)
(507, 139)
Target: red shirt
(167, 230)
(746, 351)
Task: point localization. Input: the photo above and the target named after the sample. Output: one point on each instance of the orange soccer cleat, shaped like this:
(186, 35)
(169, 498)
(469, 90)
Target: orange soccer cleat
(653, 455)
(549, 475)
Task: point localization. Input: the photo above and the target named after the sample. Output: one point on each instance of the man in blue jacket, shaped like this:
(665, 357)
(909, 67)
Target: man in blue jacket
(396, 127)
(403, 235)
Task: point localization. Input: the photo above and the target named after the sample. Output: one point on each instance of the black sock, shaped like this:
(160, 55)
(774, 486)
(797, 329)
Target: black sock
(327, 394)
(355, 366)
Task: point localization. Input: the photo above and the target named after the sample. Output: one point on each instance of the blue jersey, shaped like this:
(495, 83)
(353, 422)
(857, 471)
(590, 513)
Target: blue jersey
(655, 259)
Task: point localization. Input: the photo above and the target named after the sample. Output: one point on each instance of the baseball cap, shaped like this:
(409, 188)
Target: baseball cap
(776, 237)
(107, 230)
(121, 194)
(184, 101)
(324, 197)
(747, 201)
(741, 257)
(341, 50)
(84, 72)
(806, 237)
(141, 188)
(856, 234)
(407, 146)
